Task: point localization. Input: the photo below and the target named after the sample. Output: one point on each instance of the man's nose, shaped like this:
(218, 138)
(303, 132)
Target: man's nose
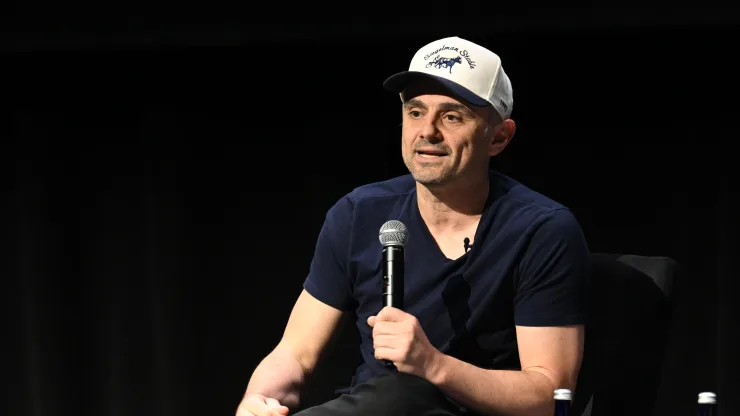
(430, 130)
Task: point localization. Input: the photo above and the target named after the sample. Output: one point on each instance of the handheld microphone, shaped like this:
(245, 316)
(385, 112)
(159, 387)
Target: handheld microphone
(393, 236)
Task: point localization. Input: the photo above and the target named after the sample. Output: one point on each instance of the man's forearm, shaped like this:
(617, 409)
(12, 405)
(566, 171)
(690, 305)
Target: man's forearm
(279, 376)
(493, 392)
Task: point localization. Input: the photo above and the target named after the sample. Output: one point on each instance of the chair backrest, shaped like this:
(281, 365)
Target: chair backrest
(631, 306)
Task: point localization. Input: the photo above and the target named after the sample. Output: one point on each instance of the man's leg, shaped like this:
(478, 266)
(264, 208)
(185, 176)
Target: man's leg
(394, 394)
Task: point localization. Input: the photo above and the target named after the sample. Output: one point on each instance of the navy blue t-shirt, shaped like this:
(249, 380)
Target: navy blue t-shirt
(528, 266)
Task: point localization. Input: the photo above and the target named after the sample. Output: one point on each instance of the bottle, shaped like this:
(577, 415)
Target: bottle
(707, 404)
(562, 402)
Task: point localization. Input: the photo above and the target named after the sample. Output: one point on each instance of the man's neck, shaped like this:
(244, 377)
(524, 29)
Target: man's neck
(454, 206)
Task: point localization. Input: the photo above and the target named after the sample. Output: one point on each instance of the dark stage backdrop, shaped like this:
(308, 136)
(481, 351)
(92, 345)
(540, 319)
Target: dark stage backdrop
(165, 195)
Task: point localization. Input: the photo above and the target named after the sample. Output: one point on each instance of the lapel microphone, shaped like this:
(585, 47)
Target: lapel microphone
(466, 244)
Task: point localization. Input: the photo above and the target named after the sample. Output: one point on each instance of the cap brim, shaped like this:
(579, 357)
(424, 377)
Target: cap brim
(399, 81)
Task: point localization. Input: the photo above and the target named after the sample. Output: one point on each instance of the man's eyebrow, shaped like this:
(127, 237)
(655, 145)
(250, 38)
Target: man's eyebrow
(414, 103)
(445, 106)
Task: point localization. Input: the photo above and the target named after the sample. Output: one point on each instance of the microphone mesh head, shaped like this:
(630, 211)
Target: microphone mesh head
(394, 233)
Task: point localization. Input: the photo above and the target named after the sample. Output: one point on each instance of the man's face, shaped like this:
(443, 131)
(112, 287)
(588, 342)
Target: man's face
(443, 138)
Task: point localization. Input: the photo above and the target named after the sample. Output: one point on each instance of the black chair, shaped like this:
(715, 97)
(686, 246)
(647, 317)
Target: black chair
(627, 334)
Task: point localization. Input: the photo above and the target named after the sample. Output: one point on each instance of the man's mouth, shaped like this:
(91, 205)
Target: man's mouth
(431, 153)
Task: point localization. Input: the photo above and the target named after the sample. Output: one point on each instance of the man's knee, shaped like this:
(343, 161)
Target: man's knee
(395, 383)
(394, 394)
(404, 391)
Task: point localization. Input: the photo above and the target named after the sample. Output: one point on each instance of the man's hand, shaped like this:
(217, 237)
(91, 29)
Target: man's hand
(259, 405)
(398, 337)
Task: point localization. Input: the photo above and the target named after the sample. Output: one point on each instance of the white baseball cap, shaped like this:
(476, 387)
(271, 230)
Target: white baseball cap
(469, 70)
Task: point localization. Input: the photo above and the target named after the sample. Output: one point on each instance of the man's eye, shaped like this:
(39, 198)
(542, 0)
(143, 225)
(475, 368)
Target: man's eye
(454, 118)
(415, 113)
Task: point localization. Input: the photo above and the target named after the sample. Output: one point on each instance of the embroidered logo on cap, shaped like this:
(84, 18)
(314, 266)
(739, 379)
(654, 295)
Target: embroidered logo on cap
(440, 62)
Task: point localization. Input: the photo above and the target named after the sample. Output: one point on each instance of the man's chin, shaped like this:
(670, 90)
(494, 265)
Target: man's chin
(428, 175)
(430, 180)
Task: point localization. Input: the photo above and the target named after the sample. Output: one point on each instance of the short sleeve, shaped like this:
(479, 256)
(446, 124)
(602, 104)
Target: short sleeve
(328, 279)
(553, 277)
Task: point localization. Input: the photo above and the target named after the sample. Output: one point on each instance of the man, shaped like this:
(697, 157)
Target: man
(491, 329)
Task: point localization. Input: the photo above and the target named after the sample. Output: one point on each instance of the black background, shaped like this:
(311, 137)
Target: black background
(171, 166)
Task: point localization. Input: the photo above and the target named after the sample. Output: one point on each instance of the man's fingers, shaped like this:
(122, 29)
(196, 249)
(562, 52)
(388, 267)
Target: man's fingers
(283, 410)
(257, 406)
(242, 410)
(272, 403)
(275, 405)
(387, 328)
(384, 353)
(382, 340)
(389, 313)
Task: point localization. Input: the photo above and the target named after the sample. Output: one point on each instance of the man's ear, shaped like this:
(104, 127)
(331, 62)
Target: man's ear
(502, 135)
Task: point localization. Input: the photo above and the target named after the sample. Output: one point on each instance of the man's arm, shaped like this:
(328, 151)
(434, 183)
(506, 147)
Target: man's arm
(549, 312)
(550, 307)
(550, 359)
(281, 374)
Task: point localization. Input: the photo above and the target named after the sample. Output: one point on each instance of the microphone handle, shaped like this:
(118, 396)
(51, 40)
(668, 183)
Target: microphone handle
(393, 260)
